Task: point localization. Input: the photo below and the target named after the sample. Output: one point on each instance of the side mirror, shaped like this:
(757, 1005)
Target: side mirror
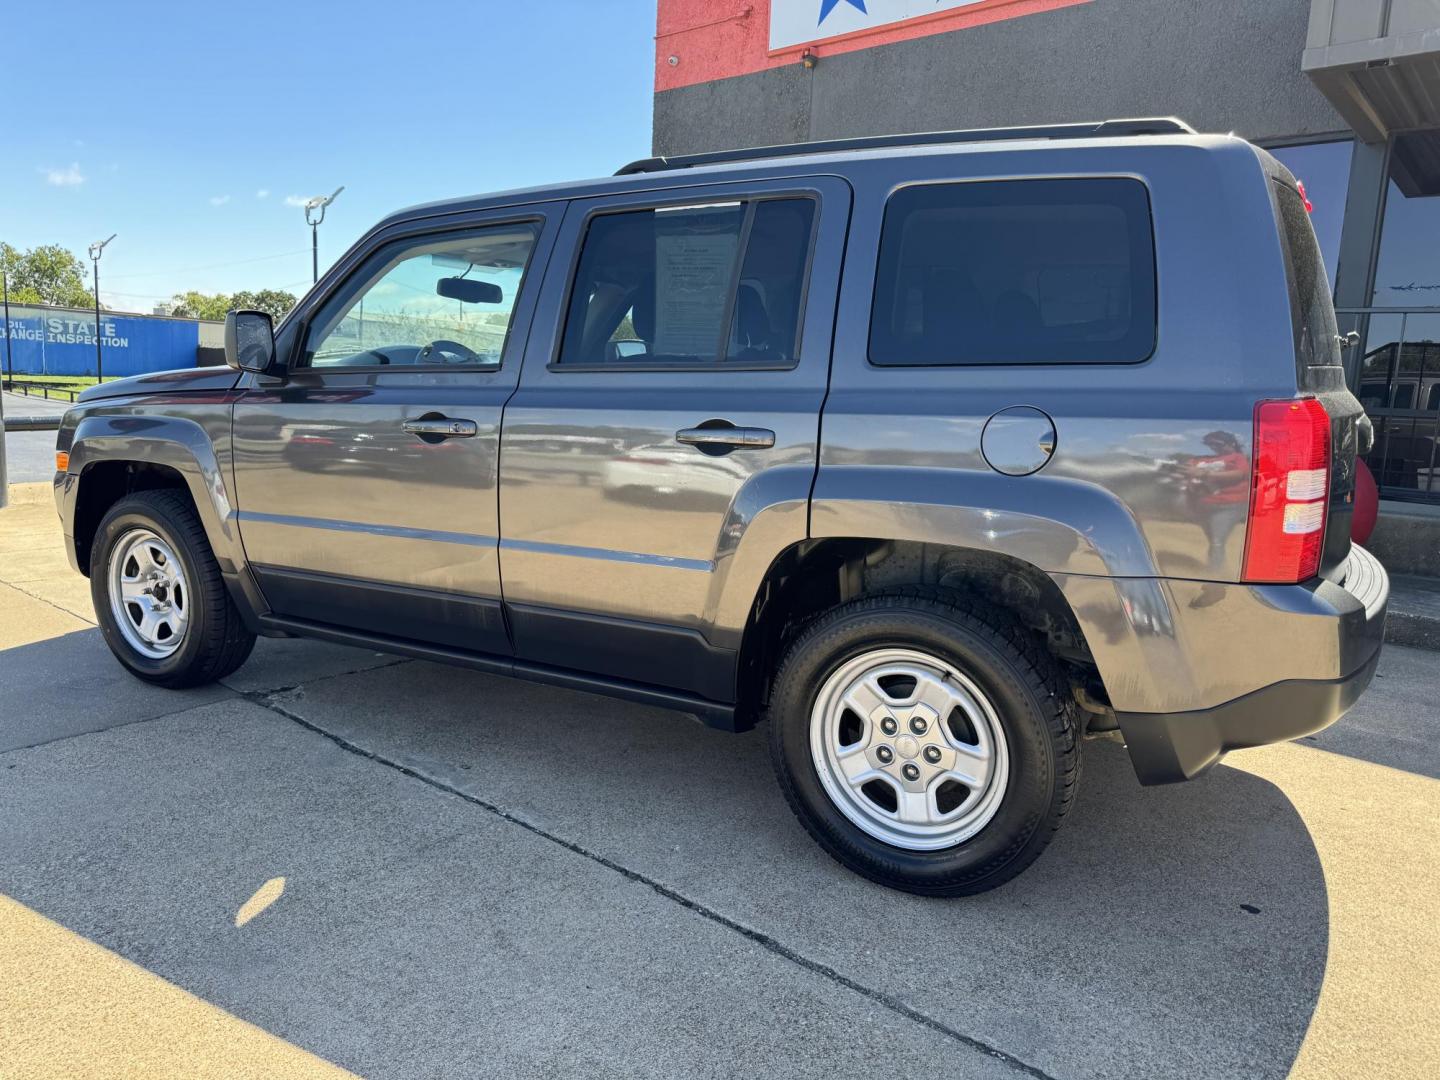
(469, 290)
(249, 341)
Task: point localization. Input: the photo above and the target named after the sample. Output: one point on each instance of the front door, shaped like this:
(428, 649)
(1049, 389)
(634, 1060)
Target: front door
(665, 429)
(366, 477)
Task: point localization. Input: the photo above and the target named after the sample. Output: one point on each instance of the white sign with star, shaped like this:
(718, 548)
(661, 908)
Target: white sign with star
(798, 22)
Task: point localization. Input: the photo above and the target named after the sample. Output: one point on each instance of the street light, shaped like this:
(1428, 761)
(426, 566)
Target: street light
(9, 360)
(96, 250)
(314, 215)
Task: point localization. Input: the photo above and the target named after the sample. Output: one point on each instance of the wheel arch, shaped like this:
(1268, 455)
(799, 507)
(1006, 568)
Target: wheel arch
(814, 575)
(112, 456)
(103, 484)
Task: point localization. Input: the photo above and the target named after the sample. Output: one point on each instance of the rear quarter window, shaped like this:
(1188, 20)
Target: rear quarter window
(1016, 272)
(1313, 316)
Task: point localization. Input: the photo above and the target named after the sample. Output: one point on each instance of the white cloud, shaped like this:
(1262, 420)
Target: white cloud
(263, 193)
(219, 200)
(67, 177)
(296, 200)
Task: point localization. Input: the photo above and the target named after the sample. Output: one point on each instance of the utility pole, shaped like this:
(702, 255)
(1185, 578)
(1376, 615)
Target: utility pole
(314, 215)
(96, 250)
(9, 360)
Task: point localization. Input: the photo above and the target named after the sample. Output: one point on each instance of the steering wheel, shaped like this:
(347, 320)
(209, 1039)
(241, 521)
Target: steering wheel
(455, 353)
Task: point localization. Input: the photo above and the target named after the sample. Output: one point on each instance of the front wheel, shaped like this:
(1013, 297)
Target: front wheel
(925, 741)
(159, 596)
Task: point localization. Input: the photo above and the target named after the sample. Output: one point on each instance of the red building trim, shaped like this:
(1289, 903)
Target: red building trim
(699, 41)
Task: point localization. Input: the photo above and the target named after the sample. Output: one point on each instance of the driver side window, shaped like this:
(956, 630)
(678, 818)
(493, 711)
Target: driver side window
(436, 303)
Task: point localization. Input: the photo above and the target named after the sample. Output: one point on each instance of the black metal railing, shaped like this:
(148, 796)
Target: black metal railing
(39, 389)
(30, 423)
(1395, 372)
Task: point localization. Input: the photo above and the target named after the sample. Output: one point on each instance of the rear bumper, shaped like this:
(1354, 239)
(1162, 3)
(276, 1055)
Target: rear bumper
(1169, 747)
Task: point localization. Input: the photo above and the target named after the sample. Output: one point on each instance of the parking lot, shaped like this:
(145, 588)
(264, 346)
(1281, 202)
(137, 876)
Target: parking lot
(489, 878)
(30, 455)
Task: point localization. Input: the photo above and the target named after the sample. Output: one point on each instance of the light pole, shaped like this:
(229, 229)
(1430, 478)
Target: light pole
(5, 290)
(314, 215)
(96, 250)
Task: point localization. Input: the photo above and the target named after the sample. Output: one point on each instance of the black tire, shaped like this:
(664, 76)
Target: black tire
(216, 640)
(1029, 696)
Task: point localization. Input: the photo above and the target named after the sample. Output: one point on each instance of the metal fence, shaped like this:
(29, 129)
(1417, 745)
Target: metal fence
(30, 423)
(39, 389)
(1395, 372)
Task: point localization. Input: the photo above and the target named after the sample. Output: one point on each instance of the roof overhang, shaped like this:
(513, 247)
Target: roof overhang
(1378, 62)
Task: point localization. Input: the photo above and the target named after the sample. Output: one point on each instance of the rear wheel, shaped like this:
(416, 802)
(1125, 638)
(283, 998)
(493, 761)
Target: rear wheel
(926, 741)
(159, 596)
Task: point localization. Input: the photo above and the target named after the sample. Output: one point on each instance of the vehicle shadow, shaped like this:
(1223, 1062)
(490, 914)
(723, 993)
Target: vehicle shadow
(1176, 931)
(1179, 930)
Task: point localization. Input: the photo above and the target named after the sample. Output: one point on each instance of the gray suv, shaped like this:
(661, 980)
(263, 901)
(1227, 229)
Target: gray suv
(940, 452)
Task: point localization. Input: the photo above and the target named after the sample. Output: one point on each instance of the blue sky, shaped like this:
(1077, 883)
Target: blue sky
(186, 127)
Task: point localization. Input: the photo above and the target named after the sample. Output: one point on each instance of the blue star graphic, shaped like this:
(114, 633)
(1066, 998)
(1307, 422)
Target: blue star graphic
(827, 6)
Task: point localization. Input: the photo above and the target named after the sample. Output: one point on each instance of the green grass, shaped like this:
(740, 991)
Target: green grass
(62, 382)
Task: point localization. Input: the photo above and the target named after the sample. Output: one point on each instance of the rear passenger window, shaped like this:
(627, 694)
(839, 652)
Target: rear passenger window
(688, 285)
(1016, 272)
(1316, 334)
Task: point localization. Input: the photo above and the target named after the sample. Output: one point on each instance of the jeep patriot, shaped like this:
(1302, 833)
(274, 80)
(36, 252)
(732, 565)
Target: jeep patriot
(940, 453)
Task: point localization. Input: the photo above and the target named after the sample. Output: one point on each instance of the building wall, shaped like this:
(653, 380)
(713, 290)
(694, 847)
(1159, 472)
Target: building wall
(1223, 65)
(42, 340)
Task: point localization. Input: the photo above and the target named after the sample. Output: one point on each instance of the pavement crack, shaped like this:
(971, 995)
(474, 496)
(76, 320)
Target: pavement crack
(758, 937)
(111, 727)
(50, 603)
(270, 691)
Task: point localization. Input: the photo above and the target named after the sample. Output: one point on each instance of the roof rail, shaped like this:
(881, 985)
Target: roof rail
(1163, 125)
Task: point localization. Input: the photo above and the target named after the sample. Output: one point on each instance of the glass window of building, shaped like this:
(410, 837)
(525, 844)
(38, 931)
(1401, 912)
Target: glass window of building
(1324, 169)
(1407, 272)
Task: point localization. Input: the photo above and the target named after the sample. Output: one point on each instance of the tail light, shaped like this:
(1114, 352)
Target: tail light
(1289, 491)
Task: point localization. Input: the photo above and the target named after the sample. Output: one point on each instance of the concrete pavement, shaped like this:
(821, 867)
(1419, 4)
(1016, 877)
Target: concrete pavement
(30, 455)
(480, 877)
(34, 405)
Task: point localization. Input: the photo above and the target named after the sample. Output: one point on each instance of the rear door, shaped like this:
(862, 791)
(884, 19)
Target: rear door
(366, 477)
(666, 425)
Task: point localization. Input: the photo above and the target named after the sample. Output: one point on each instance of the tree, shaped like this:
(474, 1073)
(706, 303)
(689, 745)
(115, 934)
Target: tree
(198, 305)
(45, 275)
(274, 302)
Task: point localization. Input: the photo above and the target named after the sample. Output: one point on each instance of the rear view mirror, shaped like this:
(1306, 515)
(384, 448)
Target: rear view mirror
(249, 341)
(469, 290)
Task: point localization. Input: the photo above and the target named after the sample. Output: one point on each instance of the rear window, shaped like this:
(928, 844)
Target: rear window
(1311, 311)
(1016, 272)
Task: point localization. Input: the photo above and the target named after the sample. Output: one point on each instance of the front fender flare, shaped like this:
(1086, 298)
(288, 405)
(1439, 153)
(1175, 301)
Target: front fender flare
(176, 443)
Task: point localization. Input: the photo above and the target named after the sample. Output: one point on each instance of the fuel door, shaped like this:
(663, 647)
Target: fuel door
(1018, 441)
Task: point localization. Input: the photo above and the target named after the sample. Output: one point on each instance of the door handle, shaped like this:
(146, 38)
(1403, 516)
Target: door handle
(726, 438)
(441, 427)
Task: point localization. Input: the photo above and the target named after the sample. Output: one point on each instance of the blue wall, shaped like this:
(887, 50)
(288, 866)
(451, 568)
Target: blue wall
(59, 341)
